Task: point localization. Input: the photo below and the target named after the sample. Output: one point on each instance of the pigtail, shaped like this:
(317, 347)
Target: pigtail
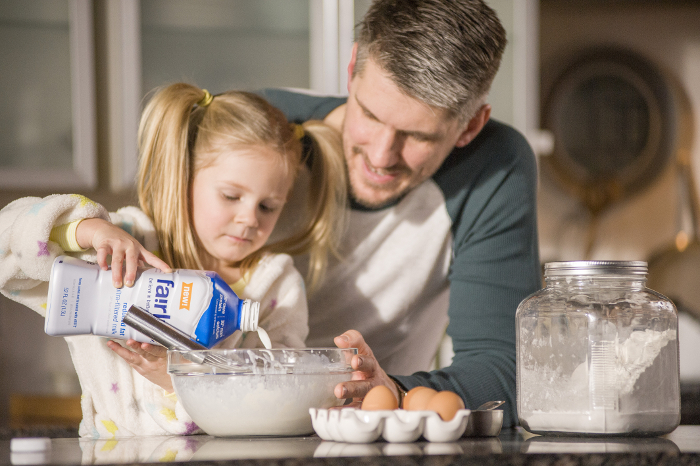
(325, 217)
(327, 198)
(165, 170)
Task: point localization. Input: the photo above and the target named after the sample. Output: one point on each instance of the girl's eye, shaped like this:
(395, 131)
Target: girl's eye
(266, 208)
(231, 198)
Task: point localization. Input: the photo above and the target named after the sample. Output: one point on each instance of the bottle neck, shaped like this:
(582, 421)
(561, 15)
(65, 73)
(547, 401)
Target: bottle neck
(250, 311)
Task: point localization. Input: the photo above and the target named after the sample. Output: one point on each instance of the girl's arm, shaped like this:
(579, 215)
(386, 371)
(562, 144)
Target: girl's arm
(27, 253)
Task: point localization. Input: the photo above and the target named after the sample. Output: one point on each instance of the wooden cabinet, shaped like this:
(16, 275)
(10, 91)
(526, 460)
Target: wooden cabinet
(42, 410)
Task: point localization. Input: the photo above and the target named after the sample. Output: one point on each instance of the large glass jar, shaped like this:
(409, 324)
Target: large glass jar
(597, 353)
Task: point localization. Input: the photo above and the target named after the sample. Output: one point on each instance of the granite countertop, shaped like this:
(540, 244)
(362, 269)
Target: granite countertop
(512, 446)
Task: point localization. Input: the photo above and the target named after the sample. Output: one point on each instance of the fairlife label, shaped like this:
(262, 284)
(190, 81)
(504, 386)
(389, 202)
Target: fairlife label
(82, 300)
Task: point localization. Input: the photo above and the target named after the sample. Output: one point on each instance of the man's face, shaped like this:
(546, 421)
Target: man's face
(392, 142)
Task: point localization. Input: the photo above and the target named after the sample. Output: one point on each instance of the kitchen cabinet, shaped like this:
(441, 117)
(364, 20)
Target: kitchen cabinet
(27, 411)
(47, 105)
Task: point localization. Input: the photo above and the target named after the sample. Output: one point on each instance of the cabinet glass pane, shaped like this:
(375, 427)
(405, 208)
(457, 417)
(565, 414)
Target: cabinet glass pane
(225, 44)
(361, 7)
(35, 84)
(501, 96)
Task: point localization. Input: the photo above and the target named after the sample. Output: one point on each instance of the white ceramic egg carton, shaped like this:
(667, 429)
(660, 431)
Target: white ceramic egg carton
(397, 426)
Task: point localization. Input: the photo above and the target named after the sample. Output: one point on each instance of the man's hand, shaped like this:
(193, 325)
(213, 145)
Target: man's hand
(109, 239)
(148, 360)
(367, 373)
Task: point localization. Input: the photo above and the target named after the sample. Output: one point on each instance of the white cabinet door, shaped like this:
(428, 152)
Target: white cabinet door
(515, 92)
(47, 113)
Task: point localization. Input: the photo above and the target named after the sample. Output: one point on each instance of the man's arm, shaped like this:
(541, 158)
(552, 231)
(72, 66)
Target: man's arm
(491, 196)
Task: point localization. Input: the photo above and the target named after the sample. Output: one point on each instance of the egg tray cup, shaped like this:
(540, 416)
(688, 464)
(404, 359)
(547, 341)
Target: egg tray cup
(353, 425)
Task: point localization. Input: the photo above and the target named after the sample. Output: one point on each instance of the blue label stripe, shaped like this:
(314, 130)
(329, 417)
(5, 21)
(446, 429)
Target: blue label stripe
(222, 317)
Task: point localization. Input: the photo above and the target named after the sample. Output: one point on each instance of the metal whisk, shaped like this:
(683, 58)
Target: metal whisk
(171, 337)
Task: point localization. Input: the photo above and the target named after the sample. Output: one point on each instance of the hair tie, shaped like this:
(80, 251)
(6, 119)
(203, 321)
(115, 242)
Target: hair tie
(206, 100)
(298, 131)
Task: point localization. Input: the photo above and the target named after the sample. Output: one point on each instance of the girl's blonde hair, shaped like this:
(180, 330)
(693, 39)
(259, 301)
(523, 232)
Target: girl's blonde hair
(177, 137)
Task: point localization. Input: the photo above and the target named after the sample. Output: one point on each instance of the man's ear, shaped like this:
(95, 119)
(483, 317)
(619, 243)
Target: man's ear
(474, 126)
(351, 65)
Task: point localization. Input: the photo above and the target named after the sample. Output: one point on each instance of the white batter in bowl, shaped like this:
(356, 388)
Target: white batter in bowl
(258, 392)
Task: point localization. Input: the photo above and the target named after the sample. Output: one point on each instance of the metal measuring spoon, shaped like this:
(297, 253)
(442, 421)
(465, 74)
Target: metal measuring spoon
(489, 405)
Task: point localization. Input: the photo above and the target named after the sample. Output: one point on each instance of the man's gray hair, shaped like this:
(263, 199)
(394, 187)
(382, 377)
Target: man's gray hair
(444, 53)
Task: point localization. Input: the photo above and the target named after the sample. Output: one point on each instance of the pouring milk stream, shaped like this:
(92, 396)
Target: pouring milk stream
(82, 300)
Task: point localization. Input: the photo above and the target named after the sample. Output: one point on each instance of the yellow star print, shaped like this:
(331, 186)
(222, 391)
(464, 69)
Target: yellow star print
(169, 456)
(110, 426)
(109, 445)
(169, 414)
(84, 200)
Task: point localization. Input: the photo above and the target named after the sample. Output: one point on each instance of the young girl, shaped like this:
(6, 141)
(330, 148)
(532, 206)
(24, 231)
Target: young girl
(214, 174)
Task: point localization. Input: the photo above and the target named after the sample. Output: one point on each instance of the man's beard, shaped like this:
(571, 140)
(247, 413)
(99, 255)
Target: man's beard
(389, 190)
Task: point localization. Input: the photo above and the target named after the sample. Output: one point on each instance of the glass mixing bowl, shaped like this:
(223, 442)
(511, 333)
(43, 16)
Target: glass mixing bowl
(258, 392)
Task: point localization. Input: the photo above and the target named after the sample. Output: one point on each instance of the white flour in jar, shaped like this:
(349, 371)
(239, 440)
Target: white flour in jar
(637, 353)
(567, 398)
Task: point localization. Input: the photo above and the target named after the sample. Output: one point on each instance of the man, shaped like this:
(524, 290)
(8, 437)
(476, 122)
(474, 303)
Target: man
(442, 226)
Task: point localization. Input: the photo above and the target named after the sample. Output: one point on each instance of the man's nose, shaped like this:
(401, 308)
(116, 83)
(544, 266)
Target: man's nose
(386, 150)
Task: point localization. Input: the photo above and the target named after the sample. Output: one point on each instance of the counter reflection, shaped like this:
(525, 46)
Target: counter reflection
(574, 445)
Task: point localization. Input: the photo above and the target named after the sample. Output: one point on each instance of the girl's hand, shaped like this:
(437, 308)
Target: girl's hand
(108, 239)
(367, 373)
(148, 360)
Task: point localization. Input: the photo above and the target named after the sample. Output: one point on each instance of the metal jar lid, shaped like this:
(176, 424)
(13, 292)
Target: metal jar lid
(595, 268)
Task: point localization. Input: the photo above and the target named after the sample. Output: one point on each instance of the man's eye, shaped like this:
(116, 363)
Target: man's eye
(369, 115)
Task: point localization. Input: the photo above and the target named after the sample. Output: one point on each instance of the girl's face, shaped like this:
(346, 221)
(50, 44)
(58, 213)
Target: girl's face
(236, 201)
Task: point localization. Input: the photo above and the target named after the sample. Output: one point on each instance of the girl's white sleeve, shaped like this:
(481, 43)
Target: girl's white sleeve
(26, 253)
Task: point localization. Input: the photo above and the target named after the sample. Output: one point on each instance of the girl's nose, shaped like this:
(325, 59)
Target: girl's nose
(248, 216)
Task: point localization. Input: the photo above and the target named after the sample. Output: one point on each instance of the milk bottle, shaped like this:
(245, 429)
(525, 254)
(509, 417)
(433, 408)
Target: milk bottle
(82, 300)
